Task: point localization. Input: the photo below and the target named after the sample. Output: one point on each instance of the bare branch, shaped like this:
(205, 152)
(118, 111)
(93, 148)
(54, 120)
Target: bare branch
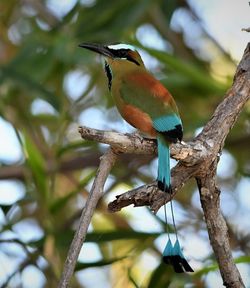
(106, 163)
(134, 143)
(150, 195)
(217, 229)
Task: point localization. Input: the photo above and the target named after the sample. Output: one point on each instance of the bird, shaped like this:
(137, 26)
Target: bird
(146, 104)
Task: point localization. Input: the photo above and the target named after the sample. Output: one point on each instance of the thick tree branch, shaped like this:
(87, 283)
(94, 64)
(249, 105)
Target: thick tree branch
(217, 228)
(134, 143)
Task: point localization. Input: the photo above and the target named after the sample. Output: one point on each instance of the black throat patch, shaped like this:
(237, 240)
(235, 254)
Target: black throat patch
(109, 74)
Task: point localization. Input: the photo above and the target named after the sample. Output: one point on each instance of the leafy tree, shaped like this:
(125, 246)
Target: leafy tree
(49, 86)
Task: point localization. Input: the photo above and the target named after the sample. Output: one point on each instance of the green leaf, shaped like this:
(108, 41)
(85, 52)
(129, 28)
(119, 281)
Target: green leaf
(161, 277)
(242, 259)
(206, 270)
(104, 262)
(27, 82)
(36, 163)
(30, 59)
(214, 267)
(63, 238)
(196, 75)
(75, 145)
(131, 278)
(99, 237)
(61, 202)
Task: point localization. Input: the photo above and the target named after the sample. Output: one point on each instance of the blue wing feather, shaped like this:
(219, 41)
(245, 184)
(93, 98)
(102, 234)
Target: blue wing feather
(166, 122)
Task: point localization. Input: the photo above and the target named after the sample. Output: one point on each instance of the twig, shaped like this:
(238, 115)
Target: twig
(106, 163)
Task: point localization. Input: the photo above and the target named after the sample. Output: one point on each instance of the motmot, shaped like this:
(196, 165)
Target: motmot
(148, 106)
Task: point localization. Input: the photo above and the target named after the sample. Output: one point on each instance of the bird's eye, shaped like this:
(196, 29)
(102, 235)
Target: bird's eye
(123, 53)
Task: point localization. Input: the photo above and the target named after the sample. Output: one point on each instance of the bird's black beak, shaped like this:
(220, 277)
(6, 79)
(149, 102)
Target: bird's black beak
(98, 48)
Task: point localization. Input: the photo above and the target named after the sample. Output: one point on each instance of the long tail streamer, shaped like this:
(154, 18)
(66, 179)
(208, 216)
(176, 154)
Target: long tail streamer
(172, 254)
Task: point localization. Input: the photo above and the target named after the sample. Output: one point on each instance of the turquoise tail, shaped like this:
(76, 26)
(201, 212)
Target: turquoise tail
(173, 255)
(163, 178)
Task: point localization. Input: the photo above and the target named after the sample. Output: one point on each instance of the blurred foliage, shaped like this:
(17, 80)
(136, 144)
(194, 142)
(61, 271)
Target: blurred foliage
(38, 53)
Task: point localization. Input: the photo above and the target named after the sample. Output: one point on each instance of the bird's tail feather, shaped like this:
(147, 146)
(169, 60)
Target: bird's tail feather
(172, 254)
(163, 178)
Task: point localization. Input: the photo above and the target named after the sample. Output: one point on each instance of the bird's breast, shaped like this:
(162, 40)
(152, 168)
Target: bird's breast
(133, 115)
(138, 119)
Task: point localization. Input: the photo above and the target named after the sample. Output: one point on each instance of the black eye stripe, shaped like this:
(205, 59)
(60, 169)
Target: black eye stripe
(123, 53)
(109, 74)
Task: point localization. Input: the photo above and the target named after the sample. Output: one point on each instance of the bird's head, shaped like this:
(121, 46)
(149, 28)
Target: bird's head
(119, 58)
(121, 53)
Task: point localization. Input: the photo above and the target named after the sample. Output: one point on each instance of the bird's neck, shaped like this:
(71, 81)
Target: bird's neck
(116, 70)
